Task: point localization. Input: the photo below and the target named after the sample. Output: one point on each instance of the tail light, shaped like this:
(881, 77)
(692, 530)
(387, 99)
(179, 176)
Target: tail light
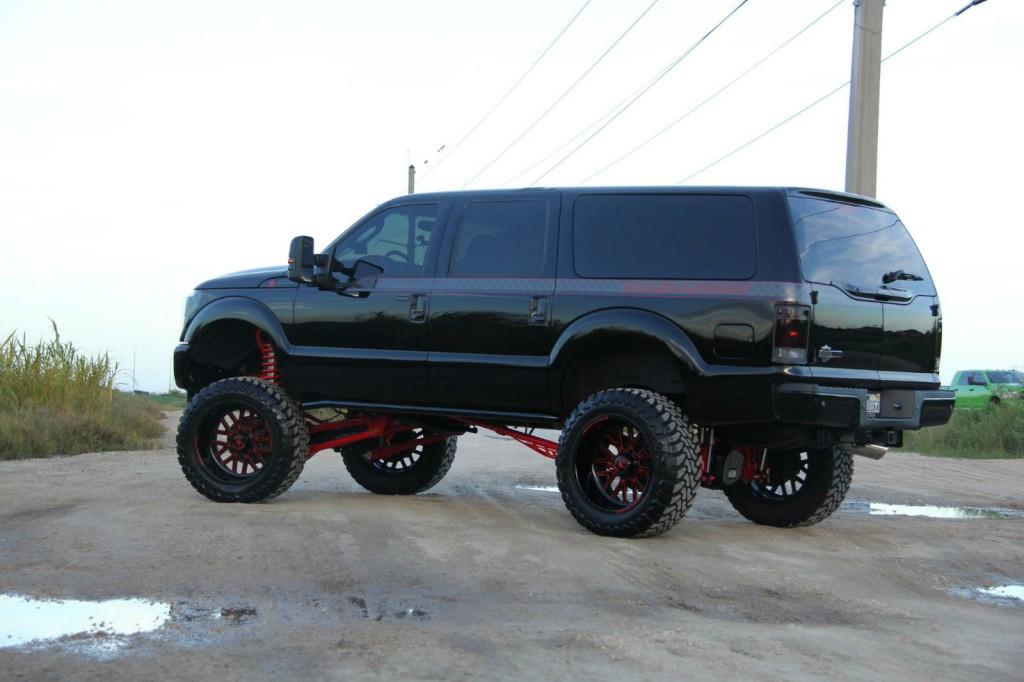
(792, 326)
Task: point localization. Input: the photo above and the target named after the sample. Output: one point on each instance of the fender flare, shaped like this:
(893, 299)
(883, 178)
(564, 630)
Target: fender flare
(622, 323)
(243, 310)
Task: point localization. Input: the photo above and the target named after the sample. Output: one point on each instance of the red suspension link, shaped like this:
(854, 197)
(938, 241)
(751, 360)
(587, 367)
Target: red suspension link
(330, 435)
(268, 368)
(543, 446)
(337, 433)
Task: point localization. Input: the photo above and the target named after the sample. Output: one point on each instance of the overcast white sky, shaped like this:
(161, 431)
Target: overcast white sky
(146, 146)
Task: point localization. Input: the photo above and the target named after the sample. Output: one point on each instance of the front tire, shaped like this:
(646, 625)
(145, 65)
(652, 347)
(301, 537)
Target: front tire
(628, 463)
(798, 488)
(407, 473)
(242, 440)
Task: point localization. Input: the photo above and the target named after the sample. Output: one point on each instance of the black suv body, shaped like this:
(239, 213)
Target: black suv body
(515, 305)
(778, 318)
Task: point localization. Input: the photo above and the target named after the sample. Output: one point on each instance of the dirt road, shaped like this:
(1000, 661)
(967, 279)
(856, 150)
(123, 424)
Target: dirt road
(484, 579)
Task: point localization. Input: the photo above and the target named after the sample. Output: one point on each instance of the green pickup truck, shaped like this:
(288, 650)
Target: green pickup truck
(981, 387)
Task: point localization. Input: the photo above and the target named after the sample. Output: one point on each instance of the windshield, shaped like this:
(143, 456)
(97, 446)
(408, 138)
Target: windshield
(844, 244)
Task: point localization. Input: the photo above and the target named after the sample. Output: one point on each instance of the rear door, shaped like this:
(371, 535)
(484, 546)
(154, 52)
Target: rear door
(876, 306)
(490, 315)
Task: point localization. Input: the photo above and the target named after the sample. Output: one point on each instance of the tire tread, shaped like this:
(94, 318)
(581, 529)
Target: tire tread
(288, 418)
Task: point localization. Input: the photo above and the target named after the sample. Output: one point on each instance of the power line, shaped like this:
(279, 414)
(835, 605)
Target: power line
(715, 94)
(512, 89)
(573, 139)
(825, 96)
(563, 95)
(643, 91)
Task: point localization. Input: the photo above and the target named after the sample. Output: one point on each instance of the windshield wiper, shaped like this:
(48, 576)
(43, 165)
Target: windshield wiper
(899, 275)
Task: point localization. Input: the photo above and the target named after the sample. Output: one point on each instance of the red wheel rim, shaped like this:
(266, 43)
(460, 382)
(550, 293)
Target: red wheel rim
(238, 443)
(614, 464)
(401, 462)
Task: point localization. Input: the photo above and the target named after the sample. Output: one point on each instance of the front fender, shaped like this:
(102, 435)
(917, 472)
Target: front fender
(244, 310)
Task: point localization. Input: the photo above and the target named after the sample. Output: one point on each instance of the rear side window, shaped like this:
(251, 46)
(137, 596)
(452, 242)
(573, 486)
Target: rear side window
(664, 236)
(846, 244)
(502, 239)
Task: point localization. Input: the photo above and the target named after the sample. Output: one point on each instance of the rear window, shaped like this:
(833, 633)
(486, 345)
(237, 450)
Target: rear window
(664, 236)
(844, 244)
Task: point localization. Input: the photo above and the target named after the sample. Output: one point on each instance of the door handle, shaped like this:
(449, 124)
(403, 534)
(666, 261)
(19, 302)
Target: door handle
(418, 307)
(539, 309)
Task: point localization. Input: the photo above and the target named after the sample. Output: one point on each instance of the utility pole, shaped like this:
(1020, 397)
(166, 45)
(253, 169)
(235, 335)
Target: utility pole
(412, 179)
(862, 133)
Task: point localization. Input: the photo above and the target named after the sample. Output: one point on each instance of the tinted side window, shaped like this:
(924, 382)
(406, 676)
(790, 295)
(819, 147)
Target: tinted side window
(501, 239)
(667, 236)
(396, 239)
(856, 245)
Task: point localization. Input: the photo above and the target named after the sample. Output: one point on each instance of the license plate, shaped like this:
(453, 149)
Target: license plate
(874, 403)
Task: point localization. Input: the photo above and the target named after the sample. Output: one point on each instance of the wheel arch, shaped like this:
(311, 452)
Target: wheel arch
(621, 348)
(221, 341)
(239, 309)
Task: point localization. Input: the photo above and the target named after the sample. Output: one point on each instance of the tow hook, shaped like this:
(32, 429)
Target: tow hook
(870, 450)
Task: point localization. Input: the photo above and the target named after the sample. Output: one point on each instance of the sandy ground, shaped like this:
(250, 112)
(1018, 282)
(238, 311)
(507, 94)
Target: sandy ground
(481, 579)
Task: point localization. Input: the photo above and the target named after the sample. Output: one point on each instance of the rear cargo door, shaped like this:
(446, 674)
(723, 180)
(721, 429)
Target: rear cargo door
(876, 306)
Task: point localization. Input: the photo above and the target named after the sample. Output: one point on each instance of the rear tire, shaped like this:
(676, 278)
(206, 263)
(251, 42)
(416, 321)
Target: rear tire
(242, 440)
(807, 488)
(628, 463)
(407, 473)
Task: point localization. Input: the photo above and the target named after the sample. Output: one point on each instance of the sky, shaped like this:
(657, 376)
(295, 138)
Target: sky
(148, 146)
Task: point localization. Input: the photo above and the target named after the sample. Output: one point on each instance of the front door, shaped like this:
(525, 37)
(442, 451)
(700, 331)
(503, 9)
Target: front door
(490, 313)
(373, 348)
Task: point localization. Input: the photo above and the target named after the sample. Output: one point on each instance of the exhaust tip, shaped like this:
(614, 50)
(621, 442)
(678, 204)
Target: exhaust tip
(870, 451)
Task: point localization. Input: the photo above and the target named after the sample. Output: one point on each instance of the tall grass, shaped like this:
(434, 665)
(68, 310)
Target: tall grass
(56, 400)
(993, 431)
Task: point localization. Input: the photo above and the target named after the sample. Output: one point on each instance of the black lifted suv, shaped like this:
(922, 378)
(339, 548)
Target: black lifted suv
(743, 339)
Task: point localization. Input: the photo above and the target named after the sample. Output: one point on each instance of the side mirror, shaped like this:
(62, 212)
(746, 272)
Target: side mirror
(363, 276)
(301, 260)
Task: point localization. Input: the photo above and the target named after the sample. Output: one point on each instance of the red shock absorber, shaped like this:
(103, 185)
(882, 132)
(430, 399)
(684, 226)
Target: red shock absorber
(268, 369)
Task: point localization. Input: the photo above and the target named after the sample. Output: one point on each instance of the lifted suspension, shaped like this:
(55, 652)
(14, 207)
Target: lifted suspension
(333, 434)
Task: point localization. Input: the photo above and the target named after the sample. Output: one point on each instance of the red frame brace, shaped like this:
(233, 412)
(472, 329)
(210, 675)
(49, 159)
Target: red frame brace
(547, 448)
(386, 427)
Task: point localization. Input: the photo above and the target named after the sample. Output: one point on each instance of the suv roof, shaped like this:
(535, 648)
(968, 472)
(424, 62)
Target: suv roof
(688, 189)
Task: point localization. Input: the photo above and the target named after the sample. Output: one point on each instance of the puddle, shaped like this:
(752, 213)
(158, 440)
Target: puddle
(237, 615)
(931, 511)
(24, 620)
(381, 610)
(539, 488)
(1003, 591)
(1001, 595)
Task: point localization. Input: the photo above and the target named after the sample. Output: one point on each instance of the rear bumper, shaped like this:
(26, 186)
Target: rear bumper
(847, 408)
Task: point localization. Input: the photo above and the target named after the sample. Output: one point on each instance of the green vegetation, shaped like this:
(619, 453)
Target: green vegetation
(54, 400)
(170, 401)
(996, 431)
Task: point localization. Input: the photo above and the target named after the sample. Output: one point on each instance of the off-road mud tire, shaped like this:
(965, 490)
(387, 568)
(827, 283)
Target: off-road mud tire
(829, 475)
(289, 440)
(675, 463)
(434, 462)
